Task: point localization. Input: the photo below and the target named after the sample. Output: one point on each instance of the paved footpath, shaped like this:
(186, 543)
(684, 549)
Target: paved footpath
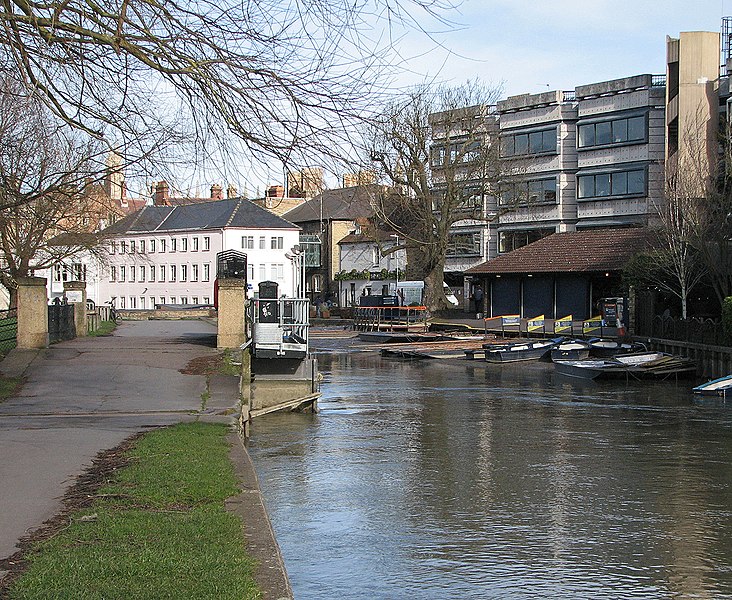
(88, 395)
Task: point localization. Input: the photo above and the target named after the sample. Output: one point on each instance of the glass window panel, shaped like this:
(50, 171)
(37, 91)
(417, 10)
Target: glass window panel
(637, 128)
(522, 144)
(536, 191)
(586, 136)
(637, 182)
(603, 134)
(535, 143)
(549, 140)
(550, 190)
(586, 186)
(602, 184)
(620, 130)
(620, 183)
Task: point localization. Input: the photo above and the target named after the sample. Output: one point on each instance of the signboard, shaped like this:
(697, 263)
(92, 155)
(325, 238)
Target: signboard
(592, 324)
(535, 323)
(74, 296)
(511, 320)
(563, 324)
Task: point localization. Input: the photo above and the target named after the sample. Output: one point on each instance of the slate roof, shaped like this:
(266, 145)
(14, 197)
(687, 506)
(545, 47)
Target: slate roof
(587, 251)
(342, 204)
(217, 214)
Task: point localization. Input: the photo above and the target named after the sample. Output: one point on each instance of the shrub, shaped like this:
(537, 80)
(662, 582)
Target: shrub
(727, 318)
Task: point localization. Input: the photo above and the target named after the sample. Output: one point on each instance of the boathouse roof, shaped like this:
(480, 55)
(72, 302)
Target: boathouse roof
(587, 251)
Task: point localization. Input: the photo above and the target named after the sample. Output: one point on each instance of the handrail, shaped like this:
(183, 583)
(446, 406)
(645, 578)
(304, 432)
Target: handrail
(389, 318)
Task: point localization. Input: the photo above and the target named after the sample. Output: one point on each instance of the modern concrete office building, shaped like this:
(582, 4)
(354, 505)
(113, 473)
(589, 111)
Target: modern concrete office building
(598, 156)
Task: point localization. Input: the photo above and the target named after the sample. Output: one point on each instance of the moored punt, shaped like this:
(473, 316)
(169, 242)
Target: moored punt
(475, 354)
(644, 365)
(518, 351)
(589, 369)
(389, 337)
(716, 387)
(571, 350)
(602, 348)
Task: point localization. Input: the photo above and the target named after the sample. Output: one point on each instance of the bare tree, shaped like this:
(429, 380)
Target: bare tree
(437, 147)
(49, 187)
(282, 77)
(673, 263)
(712, 221)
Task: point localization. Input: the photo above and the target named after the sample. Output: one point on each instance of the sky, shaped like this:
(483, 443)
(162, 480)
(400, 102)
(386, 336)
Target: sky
(530, 46)
(527, 46)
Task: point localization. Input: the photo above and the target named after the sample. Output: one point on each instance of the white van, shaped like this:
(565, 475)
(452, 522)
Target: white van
(412, 292)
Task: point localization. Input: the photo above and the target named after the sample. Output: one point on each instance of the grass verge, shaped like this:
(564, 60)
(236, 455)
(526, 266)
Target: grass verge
(159, 529)
(105, 328)
(9, 386)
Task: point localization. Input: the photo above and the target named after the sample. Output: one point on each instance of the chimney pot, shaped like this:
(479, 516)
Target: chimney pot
(217, 192)
(161, 194)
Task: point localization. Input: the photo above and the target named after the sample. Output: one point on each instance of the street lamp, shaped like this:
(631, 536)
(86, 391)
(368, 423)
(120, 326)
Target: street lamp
(396, 257)
(298, 264)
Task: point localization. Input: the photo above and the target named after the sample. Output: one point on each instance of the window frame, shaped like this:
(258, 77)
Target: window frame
(509, 142)
(619, 122)
(583, 179)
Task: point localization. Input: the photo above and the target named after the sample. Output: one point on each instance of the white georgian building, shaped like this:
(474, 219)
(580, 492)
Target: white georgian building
(167, 254)
(369, 253)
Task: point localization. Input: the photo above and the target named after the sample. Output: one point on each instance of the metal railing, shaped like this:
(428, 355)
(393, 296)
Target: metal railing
(693, 331)
(279, 325)
(8, 330)
(390, 318)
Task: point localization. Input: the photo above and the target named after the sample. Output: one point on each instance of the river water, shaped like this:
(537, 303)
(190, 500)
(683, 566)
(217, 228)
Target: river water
(446, 479)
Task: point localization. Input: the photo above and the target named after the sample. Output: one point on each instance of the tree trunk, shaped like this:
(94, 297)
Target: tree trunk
(13, 297)
(684, 299)
(434, 294)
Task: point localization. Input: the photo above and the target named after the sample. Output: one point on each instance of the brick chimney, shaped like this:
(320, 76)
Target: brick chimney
(276, 191)
(162, 197)
(217, 192)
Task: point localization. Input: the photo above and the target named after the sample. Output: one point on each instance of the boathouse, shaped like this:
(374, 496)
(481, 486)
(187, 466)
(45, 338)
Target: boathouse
(562, 274)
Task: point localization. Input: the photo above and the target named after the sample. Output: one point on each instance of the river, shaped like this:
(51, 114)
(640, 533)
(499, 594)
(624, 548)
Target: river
(446, 479)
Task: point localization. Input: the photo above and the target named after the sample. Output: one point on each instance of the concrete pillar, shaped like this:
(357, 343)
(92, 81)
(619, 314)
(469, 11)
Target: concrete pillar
(32, 313)
(232, 297)
(75, 293)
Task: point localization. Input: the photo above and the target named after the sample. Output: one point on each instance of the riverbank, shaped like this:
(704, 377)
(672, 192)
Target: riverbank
(173, 513)
(82, 397)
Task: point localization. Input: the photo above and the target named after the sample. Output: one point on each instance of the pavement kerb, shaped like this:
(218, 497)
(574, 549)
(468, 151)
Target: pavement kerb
(270, 573)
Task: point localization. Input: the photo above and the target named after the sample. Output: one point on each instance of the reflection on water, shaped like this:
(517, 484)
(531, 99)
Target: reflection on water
(467, 480)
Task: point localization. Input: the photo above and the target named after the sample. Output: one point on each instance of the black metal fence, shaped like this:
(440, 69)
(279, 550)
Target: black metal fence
(693, 331)
(8, 330)
(61, 321)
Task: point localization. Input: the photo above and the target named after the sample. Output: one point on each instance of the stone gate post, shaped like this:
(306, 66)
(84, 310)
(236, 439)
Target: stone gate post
(32, 313)
(232, 298)
(75, 293)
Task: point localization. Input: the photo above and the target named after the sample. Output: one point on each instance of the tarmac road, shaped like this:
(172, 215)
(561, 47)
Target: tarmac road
(88, 395)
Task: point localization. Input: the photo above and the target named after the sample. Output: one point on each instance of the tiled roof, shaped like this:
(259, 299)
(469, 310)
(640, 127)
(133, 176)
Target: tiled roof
(587, 251)
(342, 204)
(232, 212)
